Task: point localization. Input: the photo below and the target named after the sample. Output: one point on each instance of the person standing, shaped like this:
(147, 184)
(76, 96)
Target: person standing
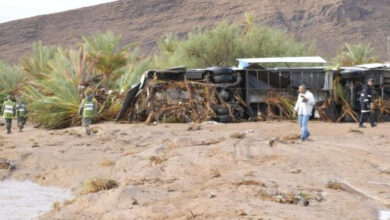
(21, 113)
(304, 108)
(87, 110)
(365, 104)
(8, 112)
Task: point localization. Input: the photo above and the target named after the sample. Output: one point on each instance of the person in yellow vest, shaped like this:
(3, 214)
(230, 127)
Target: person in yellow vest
(88, 110)
(21, 113)
(8, 112)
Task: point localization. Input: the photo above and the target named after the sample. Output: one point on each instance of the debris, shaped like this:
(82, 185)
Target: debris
(288, 139)
(194, 127)
(384, 170)
(211, 142)
(35, 145)
(210, 123)
(250, 131)
(237, 135)
(6, 164)
(303, 199)
(250, 182)
(285, 198)
(352, 130)
(215, 173)
(280, 106)
(291, 138)
(273, 141)
(134, 202)
(241, 213)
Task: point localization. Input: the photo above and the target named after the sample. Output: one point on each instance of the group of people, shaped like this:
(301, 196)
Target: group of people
(88, 109)
(305, 103)
(11, 109)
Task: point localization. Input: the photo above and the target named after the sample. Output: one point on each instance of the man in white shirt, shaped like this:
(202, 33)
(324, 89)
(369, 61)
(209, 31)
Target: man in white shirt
(303, 108)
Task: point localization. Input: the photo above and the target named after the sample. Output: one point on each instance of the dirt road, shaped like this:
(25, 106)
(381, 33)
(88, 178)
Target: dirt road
(166, 171)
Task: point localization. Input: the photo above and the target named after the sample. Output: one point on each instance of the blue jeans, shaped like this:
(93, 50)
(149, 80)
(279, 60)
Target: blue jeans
(303, 120)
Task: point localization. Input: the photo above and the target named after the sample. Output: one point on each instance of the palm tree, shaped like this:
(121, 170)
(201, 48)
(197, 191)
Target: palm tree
(37, 65)
(54, 99)
(249, 23)
(355, 54)
(104, 48)
(12, 79)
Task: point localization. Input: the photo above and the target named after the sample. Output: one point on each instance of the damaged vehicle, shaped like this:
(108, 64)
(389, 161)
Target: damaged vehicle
(252, 91)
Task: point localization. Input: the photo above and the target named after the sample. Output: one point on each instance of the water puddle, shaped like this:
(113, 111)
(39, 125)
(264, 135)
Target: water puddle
(384, 215)
(27, 200)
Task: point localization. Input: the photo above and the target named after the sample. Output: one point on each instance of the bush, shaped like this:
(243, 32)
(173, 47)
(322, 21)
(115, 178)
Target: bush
(226, 42)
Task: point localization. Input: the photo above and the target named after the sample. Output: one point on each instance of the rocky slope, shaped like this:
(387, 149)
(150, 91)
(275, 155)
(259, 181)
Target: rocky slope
(329, 22)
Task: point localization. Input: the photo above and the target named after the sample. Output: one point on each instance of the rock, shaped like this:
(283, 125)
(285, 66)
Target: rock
(35, 145)
(241, 213)
(6, 164)
(295, 170)
(211, 195)
(250, 131)
(318, 197)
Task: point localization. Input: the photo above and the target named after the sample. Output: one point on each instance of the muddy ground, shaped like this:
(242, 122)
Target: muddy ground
(216, 171)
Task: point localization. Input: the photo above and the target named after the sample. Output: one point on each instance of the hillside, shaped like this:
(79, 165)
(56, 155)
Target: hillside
(329, 22)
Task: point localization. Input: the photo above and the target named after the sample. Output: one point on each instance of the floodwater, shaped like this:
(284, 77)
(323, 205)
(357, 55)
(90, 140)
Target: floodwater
(384, 215)
(27, 200)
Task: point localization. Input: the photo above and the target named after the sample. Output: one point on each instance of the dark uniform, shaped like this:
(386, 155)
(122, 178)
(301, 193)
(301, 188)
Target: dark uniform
(365, 106)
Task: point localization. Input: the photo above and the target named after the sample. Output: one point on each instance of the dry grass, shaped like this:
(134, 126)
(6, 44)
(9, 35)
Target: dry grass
(238, 135)
(106, 163)
(97, 184)
(335, 185)
(194, 127)
(157, 160)
(56, 206)
(250, 182)
(288, 139)
(291, 138)
(70, 201)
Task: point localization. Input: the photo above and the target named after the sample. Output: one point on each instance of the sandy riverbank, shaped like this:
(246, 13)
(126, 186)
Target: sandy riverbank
(168, 172)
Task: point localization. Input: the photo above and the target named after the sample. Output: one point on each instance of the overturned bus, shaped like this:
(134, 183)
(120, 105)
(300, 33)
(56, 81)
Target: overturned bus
(249, 92)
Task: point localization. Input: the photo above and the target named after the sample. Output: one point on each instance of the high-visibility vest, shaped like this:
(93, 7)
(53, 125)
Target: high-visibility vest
(88, 109)
(8, 109)
(21, 110)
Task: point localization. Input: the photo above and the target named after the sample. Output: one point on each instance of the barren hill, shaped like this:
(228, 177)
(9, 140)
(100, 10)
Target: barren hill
(329, 22)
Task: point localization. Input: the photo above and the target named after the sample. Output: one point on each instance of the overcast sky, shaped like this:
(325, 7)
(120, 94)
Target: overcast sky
(17, 9)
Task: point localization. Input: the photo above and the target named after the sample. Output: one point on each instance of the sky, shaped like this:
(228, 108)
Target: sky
(17, 9)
